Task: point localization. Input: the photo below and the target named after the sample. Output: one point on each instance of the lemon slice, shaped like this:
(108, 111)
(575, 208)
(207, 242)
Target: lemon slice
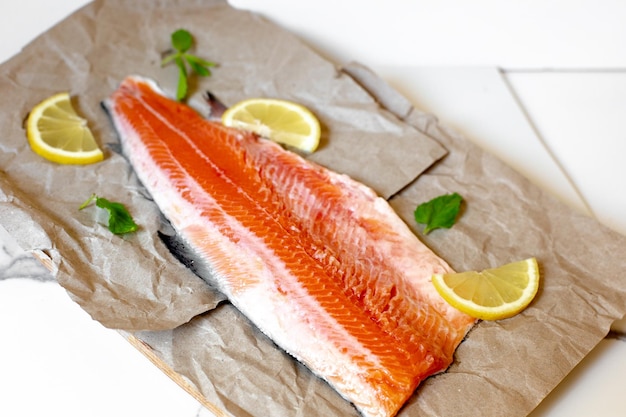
(279, 120)
(56, 132)
(492, 294)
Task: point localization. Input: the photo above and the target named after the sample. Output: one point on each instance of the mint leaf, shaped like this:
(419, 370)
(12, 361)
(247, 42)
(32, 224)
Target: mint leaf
(440, 212)
(199, 65)
(181, 89)
(169, 58)
(182, 41)
(120, 220)
(196, 59)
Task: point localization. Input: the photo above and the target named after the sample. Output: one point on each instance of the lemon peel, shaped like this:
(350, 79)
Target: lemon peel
(281, 121)
(56, 132)
(491, 294)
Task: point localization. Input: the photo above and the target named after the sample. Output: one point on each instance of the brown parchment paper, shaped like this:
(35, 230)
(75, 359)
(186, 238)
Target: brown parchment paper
(370, 132)
(133, 282)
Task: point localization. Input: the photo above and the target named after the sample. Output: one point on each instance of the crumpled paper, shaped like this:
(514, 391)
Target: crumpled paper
(133, 282)
(370, 132)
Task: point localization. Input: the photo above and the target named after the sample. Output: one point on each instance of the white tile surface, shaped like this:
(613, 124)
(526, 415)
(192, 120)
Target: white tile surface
(514, 33)
(477, 102)
(581, 116)
(22, 21)
(56, 361)
(594, 388)
(511, 34)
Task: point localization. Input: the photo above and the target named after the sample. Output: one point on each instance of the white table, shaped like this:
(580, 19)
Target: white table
(543, 86)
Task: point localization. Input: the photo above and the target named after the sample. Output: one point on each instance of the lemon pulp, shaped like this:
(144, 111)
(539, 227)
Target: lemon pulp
(56, 132)
(282, 121)
(491, 294)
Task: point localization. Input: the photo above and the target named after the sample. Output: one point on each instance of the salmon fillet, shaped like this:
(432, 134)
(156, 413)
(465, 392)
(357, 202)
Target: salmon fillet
(317, 261)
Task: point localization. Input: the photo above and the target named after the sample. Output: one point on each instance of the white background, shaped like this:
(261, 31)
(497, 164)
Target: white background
(542, 84)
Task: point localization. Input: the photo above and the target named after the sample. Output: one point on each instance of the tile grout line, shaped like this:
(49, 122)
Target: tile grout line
(615, 333)
(534, 128)
(563, 70)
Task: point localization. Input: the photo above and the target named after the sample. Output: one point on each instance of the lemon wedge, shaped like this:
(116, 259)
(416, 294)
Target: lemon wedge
(282, 121)
(491, 294)
(56, 132)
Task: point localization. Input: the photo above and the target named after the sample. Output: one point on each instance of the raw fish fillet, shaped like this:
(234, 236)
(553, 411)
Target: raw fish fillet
(315, 260)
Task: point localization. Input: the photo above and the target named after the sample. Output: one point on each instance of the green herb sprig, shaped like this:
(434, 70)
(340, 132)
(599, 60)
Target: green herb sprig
(120, 220)
(440, 212)
(182, 41)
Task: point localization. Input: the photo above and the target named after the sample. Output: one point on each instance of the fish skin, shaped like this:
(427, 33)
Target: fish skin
(315, 260)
